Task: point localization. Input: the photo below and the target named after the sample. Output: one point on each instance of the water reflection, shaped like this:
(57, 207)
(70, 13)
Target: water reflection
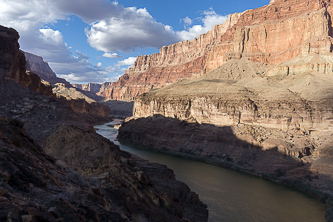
(232, 196)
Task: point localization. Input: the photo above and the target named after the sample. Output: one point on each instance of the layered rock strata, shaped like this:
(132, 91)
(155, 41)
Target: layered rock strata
(275, 121)
(271, 34)
(90, 87)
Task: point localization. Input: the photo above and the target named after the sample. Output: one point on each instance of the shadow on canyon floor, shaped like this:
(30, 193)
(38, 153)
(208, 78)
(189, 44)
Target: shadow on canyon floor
(120, 108)
(235, 147)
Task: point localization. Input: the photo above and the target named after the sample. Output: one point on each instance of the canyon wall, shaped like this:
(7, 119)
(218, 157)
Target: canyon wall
(90, 87)
(271, 34)
(301, 100)
(262, 103)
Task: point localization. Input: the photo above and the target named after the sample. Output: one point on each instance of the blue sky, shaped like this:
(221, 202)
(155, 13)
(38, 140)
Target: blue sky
(97, 40)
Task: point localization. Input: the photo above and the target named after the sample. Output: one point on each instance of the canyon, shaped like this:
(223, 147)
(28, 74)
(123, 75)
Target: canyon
(271, 34)
(55, 167)
(253, 94)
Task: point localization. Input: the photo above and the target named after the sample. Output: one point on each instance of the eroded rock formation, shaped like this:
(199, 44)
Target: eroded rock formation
(271, 34)
(90, 87)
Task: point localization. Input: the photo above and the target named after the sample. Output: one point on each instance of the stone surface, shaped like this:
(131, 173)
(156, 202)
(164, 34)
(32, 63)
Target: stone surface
(139, 189)
(271, 34)
(113, 186)
(90, 87)
(61, 90)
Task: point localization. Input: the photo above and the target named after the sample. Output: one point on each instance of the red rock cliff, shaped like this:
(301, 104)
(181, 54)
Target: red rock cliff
(271, 34)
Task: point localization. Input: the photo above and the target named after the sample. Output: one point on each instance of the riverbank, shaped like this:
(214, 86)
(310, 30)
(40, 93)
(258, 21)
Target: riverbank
(219, 146)
(232, 195)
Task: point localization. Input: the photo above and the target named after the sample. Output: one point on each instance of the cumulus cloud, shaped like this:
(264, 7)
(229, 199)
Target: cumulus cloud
(132, 29)
(112, 55)
(111, 28)
(127, 62)
(210, 19)
(26, 15)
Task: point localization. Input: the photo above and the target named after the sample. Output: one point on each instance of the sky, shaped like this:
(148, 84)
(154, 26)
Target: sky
(98, 40)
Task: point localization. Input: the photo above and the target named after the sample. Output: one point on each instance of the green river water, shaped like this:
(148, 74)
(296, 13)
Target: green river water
(233, 196)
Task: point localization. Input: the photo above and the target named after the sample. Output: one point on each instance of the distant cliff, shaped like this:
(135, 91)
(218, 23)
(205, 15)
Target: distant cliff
(37, 65)
(90, 87)
(271, 34)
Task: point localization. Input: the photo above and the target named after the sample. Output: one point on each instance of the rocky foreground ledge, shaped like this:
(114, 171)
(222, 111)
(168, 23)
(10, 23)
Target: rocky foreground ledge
(105, 185)
(83, 176)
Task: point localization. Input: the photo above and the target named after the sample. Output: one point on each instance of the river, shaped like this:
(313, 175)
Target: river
(233, 196)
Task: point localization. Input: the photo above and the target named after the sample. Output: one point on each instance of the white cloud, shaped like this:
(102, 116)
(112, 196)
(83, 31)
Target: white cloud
(28, 14)
(133, 29)
(187, 21)
(111, 28)
(111, 55)
(49, 35)
(99, 65)
(210, 19)
(127, 62)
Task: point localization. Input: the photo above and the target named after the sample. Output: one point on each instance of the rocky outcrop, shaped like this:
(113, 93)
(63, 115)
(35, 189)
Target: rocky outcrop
(37, 65)
(82, 106)
(121, 109)
(34, 187)
(79, 102)
(90, 87)
(140, 190)
(271, 34)
(12, 63)
(61, 90)
(37, 187)
(103, 91)
(12, 60)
